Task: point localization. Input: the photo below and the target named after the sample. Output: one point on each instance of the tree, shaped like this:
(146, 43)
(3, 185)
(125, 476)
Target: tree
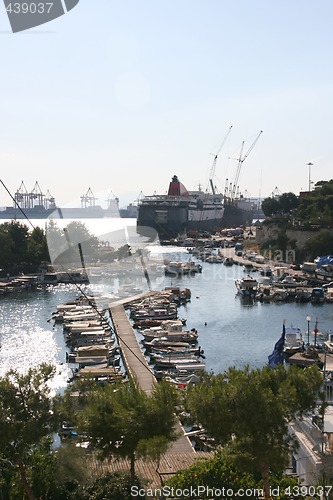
(288, 202)
(221, 471)
(64, 243)
(270, 206)
(249, 410)
(6, 249)
(113, 485)
(27, 416)
(320, 243)
(19, 234)
(13, 238)
(37, 247)
(122, 420)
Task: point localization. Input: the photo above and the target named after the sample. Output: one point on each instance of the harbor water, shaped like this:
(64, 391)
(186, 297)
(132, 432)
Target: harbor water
(230, 332)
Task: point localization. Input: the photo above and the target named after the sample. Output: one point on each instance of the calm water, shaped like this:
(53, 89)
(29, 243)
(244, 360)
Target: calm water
(235, 334)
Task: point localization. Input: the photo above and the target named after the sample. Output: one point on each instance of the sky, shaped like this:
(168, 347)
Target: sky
(118, 96)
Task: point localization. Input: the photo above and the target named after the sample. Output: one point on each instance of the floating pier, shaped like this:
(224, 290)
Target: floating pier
(137, 366)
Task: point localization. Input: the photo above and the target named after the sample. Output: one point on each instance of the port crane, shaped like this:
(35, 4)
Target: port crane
(241, 160)
(28, 200)
(212, 171)
(88, 199)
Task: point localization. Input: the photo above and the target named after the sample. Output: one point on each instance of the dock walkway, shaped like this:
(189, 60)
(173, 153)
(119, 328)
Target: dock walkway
(137, 366)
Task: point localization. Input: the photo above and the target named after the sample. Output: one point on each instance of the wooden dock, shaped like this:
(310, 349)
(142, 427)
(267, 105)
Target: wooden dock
(170, 463)
(138, 367)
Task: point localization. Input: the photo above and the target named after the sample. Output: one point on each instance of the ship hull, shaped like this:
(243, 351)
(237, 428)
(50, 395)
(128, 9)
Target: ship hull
(170, 220)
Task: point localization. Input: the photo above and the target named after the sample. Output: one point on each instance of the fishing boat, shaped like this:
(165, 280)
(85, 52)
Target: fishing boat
(303, 295)
(317, 295)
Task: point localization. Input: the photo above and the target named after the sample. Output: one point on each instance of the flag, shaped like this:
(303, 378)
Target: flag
(277, 355)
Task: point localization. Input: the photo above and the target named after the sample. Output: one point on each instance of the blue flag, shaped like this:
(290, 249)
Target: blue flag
(277, 357)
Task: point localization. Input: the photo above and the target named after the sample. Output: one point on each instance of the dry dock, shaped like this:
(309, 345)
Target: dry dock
(137, 366)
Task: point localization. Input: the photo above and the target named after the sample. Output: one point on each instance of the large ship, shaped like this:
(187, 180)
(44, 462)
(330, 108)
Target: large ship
(180, 211)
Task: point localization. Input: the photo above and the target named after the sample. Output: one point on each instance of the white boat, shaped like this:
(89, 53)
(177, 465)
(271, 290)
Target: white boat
(173, 336)
(329, 343)
(178, 268)
(293, 341)
(155, 313)
(163, 343)
(171, 362)
(329, 295)
(247, 287)
(280, 295)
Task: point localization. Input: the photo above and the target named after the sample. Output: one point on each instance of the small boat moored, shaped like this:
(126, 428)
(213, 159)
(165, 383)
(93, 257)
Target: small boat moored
(247, 287)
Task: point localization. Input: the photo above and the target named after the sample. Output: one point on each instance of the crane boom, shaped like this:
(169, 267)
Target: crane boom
(212, 171)
(241, 160)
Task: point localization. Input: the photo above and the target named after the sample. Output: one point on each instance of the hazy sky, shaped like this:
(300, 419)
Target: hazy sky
(121, 95)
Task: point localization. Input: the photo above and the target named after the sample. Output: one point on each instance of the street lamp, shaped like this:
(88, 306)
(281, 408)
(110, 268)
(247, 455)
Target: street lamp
(309, 165)
(308, 319)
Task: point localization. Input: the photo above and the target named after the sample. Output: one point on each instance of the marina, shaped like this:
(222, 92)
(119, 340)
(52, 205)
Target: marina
(173, 327)
(230, 332)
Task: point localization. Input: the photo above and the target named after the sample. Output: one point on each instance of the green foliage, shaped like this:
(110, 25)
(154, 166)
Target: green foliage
(222, 472)
(317, 207)
(320, 243)
(21, 250)
(314, 209)
(53, 475)
(118, 419)
(124, 421)
(27, 417)
(288, 202)
(25, 408)
(13, 239)
(270, 206)
(284, 205)
(114, 485)
(37, 250)
(216, 472)
(249, 411)
(63, 243)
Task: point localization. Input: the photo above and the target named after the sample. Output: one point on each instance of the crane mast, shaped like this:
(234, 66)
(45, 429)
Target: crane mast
(241, 160)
